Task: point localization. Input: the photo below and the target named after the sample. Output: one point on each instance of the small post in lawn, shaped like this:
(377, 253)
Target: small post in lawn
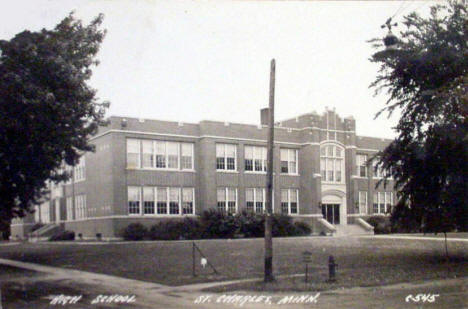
(193, 259)
(269, 198)
(307, 258)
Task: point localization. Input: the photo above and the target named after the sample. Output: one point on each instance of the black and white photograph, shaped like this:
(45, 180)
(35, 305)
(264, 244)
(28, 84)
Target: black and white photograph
(233, 154)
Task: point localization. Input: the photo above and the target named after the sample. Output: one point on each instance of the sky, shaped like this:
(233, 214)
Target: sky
(210, 60)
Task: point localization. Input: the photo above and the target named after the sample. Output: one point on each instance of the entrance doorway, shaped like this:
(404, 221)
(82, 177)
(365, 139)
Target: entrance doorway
(331, 213)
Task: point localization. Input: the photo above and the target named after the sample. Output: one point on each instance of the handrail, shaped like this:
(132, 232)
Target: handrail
(364, 224)
(327, 224)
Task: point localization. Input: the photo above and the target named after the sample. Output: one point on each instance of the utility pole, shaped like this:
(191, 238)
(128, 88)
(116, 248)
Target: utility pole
(269, 198)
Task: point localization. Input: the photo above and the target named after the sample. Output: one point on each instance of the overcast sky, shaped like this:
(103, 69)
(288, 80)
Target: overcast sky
(192, 60)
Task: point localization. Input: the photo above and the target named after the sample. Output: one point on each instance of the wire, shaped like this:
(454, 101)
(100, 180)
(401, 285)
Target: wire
(399, 9)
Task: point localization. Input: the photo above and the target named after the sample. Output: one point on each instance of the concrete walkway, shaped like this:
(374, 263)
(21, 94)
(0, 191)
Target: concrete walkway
(84, 276)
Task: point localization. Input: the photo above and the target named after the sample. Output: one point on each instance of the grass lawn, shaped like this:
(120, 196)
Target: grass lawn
(361, 261)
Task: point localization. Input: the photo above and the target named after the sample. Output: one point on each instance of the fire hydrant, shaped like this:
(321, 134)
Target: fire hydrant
(331, 268)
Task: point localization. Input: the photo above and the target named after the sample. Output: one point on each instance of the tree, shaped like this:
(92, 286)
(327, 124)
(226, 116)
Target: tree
(47, 110)
(426, 78)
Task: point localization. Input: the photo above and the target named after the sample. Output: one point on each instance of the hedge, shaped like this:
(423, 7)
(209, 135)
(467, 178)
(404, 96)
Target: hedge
(214, 224)
(62, 235)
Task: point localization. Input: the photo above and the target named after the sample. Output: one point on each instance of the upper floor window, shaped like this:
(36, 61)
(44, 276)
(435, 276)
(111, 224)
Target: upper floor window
(288, 161)
(383, 202)
(227, 200)
(361, 165)
(379, 172)
(80, 169)
(226, 157)
(133, 153)
(255, 158)
(331, 163)
(159, 154)
(289, 201)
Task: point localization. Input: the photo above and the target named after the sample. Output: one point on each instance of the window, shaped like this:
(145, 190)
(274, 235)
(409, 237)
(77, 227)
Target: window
(81, 209)
(159, 154)
(383, 202)
(133, 153)
(186, 160)
(226, 157)
(362, 202)
(174, 197)
(288, 161)
(255, 158)
(133, 200)
(37, 214)
(69, 208)
(388, 202)
(255, 199)
(361, 165)
(162, 200)
(331, 163)
(148, 154)
(45, 212)
(250, 199)
(172, 155)
(148, 200)
(187, 201)
(379, 172)
(80, 170)
(227, 200)
(289, 201)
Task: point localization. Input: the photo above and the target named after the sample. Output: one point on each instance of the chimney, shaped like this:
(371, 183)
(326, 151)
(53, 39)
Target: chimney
(264, 113)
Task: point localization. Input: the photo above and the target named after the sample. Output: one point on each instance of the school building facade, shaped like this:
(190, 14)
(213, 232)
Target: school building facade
(150, 170)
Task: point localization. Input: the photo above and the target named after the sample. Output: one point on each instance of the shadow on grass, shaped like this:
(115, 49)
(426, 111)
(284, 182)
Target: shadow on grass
(428, 268)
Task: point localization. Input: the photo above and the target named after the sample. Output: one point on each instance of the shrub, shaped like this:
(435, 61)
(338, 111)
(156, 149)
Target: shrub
(217, 224)
(283, 226)
(175, 230)
(302, 228)
(250, 224)
(135, 231)
(62, 235)
(381, 224)
(190, 229)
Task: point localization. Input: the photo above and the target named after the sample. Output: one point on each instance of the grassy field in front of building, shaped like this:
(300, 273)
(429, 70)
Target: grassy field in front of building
(361, 261)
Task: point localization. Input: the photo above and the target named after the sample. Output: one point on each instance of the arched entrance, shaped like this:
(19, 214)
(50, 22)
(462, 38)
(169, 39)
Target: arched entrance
(334, 206)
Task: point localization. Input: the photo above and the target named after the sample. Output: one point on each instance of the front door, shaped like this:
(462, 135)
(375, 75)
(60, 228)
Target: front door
(331, 213)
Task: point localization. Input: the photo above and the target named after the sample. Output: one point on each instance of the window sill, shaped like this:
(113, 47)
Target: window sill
(285, 174)
(161, 170)
(332, 183)
(227, 171)
(255, 172)
(358, 177)
(78, 181)
(160, 215)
